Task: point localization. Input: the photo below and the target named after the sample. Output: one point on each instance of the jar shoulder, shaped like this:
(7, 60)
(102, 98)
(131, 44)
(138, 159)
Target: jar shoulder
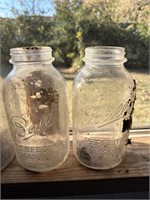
(46, 74)
(95, 74)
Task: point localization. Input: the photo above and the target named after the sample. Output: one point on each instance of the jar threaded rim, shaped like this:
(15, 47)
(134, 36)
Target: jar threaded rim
(105, 54)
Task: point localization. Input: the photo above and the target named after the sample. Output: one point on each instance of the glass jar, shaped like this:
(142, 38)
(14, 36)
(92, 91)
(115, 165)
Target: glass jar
(103, 103)
(7, 150)
(36, 105)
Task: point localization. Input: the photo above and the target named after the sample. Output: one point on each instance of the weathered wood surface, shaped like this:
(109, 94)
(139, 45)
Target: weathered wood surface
(135, 164)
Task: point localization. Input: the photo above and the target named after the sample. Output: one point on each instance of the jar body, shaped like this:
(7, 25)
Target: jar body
(7, 149)
(103, 100)
(36, 104)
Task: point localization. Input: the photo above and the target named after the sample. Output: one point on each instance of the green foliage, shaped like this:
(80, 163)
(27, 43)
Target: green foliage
(63, 35)
(77, 25)
(23, 31)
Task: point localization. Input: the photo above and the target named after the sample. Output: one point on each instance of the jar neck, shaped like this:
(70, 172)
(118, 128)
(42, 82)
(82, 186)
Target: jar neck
(105, 55)
(31, 55)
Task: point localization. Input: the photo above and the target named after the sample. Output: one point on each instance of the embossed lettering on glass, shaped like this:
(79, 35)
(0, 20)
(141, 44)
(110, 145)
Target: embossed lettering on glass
(36, 104)
(103, 103)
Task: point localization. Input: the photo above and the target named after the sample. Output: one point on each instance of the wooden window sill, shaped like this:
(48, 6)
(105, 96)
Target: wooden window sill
(72, 178)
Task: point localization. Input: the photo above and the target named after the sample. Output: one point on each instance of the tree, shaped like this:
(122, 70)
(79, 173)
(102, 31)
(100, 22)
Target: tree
(26, 29)
(77, 24)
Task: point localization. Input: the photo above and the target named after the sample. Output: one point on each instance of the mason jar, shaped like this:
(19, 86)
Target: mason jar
(36, 104)
(6, 145)
(103, 103)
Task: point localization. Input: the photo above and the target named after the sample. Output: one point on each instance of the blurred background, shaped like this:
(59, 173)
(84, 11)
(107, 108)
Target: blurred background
(68, 26)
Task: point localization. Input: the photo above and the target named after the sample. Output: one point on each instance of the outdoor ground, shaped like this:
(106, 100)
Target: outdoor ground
(141, 116)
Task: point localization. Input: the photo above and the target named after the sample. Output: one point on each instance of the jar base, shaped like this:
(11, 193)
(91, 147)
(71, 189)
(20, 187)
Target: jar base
(99, 168)
(46, 169)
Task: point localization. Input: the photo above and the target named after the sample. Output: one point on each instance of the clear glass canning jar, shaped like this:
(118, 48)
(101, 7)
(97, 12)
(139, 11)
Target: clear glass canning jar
(36, 105)
(103, 103)
(6, 145)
